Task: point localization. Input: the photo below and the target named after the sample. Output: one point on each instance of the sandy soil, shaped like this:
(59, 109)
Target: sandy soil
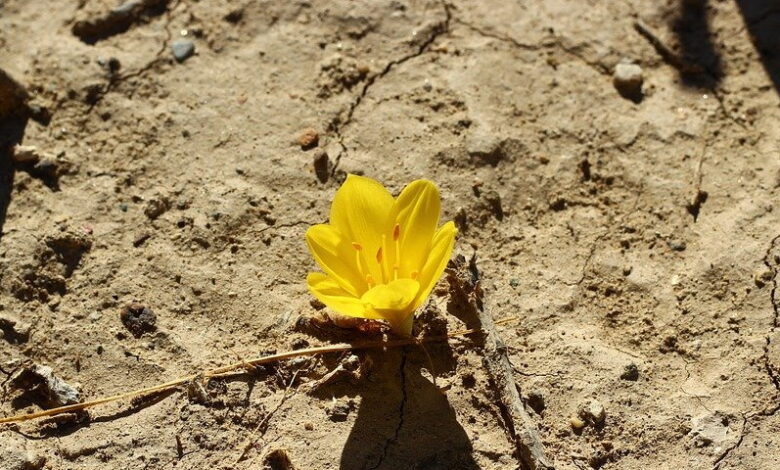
(636, 239)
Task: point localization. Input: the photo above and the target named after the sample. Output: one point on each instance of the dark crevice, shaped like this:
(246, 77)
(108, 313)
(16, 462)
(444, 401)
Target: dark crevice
(773, 376)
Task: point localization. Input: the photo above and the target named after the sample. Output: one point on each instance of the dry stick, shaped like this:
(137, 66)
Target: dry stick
(522, 427)
(225, 371)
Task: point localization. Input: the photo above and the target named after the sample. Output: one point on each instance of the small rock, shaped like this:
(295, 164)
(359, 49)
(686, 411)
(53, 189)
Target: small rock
(156, 207)
(26, 154)
(628, 80)
(676, 245)
(576, 423)
(484, 146)
(182, 49)
(763, 276)
(49, 390)
(141, 238)
(711, 428)
(339, 412)
(127, 8)
(138, 318)
(631, 372)
(322, 166)
(308, 139)
(593, 412)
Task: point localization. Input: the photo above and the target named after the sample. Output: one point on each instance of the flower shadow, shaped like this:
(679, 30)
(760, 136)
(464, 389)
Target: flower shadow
(404, 420)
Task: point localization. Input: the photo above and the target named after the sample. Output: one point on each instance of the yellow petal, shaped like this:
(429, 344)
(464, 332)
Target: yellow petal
(329, 292)
(439, 255)
(392, 302)
(334, 255)
(359, 212)
(416, 211)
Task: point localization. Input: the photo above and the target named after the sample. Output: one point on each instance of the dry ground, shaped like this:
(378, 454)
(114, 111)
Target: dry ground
(636, 240)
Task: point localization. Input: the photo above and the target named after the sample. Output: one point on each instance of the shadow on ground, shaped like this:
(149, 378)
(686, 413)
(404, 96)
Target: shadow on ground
(698, 52)
(762, 20)
(404, 421)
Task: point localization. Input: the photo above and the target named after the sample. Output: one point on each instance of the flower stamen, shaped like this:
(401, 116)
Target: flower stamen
(358, 256)
(379, 260)
(396, 239)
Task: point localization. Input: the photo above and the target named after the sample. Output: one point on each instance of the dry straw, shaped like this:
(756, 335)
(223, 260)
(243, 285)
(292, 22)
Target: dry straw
(244, 364)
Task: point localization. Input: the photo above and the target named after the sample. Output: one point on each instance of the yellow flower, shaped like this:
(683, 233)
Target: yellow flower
(381, 256)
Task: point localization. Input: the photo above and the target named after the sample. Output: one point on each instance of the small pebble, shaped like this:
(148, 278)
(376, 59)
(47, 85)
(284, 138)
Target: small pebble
(763, 276)
(182, 49)
(593, 412)
(628, 80)
(339, 412)
(631, 373)
(576, 423)
(308, 139)
(156, 207)
(677, 245)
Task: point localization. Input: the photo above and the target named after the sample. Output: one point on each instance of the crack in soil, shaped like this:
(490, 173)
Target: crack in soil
(556, 42)
(117, 79)
(602, 236)
(725, 454)
(500, 37)
(338, 126)
(773, 375)
(401, 411)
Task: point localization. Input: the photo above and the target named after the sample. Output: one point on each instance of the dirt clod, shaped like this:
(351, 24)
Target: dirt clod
(593, 412)
(138, 319)
(308, 139)
(630, 373)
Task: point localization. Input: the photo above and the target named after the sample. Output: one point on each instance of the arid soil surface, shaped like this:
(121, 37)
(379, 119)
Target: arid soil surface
(156, 229)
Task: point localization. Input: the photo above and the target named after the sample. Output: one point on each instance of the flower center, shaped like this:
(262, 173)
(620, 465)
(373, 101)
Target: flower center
(389, 269)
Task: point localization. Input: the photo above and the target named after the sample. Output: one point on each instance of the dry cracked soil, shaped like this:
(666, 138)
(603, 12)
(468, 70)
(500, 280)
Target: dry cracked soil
(174, 153)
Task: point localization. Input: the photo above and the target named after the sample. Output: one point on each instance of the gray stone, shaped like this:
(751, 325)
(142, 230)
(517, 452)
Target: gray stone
(51, 390)
(182, 49)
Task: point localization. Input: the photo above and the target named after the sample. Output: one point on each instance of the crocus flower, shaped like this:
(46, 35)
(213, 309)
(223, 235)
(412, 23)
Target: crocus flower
(381, 256)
